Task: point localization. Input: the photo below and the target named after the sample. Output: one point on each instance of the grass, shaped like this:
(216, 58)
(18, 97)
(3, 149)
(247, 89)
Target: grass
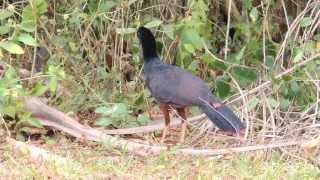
(94, 161)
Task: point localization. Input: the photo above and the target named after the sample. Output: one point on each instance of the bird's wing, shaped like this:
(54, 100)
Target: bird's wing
(170, 84)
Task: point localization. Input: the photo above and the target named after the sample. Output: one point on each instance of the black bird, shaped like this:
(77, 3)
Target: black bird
(174, 87)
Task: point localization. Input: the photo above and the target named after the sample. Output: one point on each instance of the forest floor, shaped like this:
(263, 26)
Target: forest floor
(88, 160)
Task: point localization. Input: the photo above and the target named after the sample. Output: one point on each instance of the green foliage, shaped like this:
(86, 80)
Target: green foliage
(82, 36)
(17, 32)
(115, 115)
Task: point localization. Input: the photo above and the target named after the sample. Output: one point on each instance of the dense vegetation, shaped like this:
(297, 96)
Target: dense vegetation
(83, 57)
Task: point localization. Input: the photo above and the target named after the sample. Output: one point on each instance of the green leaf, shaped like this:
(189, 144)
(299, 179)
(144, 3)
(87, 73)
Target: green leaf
(284, 104)
(154, 23)
(299, 55)
(39, 89)
(244, 76)
(223, 88)
(272, 102)
(295, 87)
(103, 122)
(103, 110)
(213, 63)
(193, 66)
(106, 6)
(252, 103)
(28, 26)
(27, 39)
(53, 83)
(5, 14)
(34, 122)
(4, 29)
(254, 14)
(139, 100)
(239, 56)
(120, 108)
(12, 47)
(143, 119)
(189, 48)
(41, 6)
(125, 30)
(116, 110)
(191, 36)
(306, 21)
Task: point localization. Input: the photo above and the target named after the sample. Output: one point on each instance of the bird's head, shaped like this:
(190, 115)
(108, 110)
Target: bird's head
(147, 41)
(145, 35)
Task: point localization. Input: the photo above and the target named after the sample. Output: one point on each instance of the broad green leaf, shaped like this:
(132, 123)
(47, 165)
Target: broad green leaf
(213, 63)
(27, 39)
(34, 122)
(5, 14)
(254, 14)
(272, 102)
(41, 6)
(244, 76)
(306, 21)
(1, 54)
(9, 110)
(223, 88)
(39, 89)
(295, 87)
(4, 29)
(142, 119)
(11, 74)
(191, 36)
(239, 56)
(252, 103)
(103, 110)
(103, 122)
(106, 6)
(154, 23)
(125, 30)
(28, 26)
(120, 108)
(53, 83)
(299, 55)
(28, 14)
(269, 61)
(139, 100)
(284, 103)
(189, 48)
(12, 47)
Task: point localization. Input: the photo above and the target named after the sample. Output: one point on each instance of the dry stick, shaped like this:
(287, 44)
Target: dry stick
(227, 33)
(36, 153)
(49, 116)
(152, 128)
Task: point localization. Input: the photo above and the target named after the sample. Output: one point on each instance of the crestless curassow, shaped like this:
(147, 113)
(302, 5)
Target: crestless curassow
(173, 87)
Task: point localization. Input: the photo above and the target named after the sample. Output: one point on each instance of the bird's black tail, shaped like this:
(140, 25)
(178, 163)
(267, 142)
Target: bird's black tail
(222, 116)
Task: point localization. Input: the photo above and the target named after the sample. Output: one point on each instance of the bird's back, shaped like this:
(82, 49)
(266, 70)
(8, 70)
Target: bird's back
(175, 86)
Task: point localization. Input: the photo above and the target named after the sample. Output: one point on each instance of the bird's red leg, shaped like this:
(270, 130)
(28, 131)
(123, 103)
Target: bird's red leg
(182, 114)
(165, 110)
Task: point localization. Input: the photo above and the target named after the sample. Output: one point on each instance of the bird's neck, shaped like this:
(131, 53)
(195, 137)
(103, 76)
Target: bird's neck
(149, 53)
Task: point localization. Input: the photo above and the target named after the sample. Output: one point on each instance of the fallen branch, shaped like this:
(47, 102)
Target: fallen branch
(35, 153)
(49, 116)
(214, 152)
(151, 128)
